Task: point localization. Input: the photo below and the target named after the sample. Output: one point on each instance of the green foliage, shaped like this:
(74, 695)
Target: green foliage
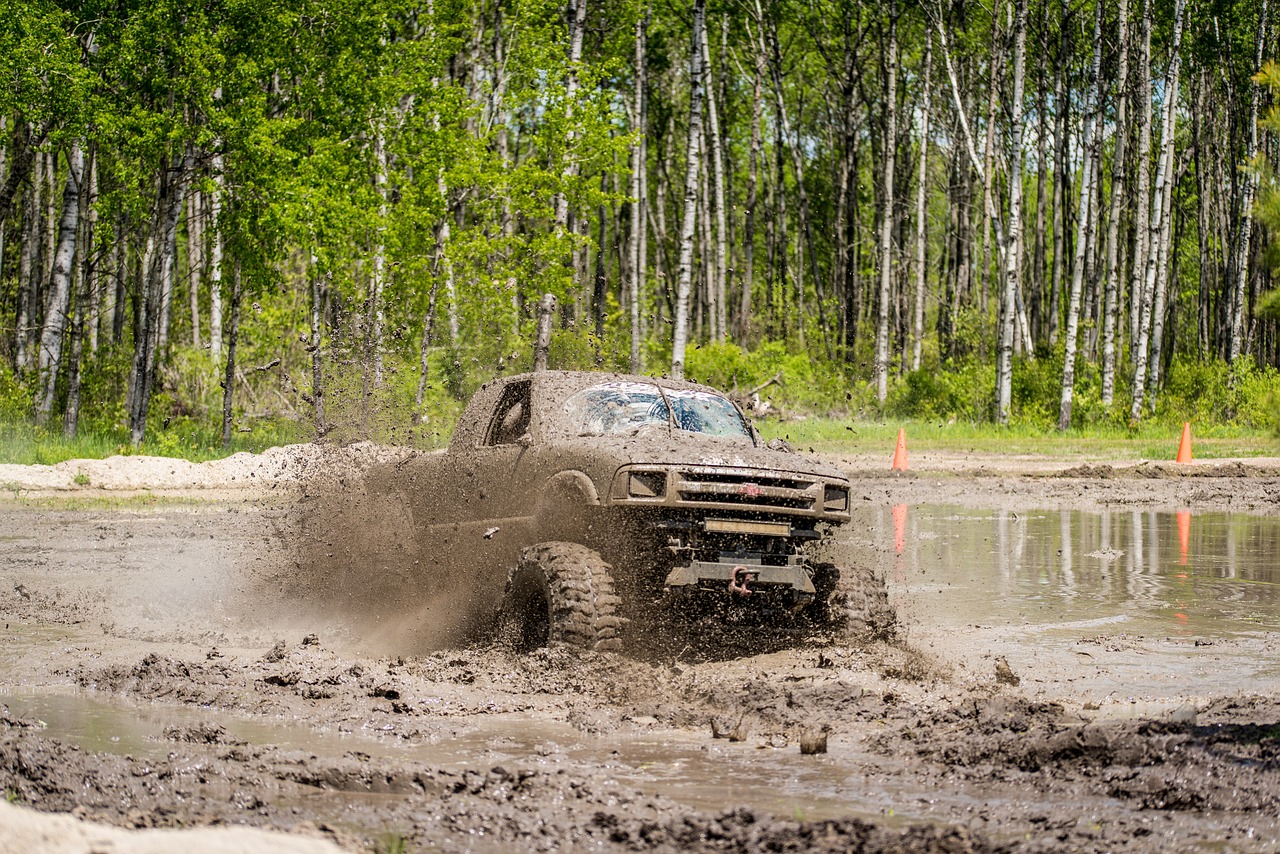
(17, 400)
(797, 382)
(964, 392)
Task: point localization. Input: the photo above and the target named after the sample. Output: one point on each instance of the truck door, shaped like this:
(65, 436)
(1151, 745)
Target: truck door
(500, 495)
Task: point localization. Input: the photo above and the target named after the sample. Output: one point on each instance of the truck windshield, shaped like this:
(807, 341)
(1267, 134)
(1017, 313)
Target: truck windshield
(621, 407)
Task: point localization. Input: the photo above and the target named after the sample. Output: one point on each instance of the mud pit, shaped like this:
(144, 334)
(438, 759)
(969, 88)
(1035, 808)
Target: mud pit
(159, 671)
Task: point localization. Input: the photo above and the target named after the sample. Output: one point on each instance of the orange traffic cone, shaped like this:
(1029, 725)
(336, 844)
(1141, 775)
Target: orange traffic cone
(1184, 447)
(900, 452)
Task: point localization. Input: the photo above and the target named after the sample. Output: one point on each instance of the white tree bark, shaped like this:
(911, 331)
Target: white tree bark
(996, 59)
(755, 153)
(719, 257)
(684, 273)
(1083, 216)
(1012, 255)
(922, 185)
(1146, 372)
(886, 223)
(147, 344)
(577, 19)
(195, 264)
(1110, 307)
(1140, 300)
(317, 326)
(378, 273)
(49, 356)
(638, 167)
(1006, 247)
(1240, 269)
(215, 261)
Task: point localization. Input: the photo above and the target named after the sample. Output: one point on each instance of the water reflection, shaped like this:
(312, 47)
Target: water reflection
(1202, 572)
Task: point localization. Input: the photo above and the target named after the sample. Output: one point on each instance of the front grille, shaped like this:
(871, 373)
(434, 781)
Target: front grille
(747, 490)
(782, 482)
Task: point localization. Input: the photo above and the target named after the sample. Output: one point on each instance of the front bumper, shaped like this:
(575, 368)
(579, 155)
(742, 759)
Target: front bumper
(730, 576)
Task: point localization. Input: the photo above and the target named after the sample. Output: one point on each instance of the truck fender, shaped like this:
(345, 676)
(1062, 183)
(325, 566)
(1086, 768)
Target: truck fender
(570, 487)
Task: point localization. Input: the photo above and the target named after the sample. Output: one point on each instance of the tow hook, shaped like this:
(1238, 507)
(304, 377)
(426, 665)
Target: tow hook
(742, 578)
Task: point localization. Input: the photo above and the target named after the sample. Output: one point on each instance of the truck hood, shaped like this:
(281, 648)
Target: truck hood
(683, 450)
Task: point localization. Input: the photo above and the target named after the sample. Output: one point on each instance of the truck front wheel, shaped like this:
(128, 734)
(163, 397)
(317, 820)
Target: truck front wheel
(561, 593)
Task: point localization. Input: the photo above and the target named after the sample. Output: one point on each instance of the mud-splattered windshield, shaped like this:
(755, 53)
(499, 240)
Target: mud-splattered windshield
(622, 407)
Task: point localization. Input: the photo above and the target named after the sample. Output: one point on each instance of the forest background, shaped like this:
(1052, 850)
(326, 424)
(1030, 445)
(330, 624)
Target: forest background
(233, 224)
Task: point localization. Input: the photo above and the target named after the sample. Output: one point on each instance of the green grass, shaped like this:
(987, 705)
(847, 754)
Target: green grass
(25, 444)
(75, 503)
(1150, 441)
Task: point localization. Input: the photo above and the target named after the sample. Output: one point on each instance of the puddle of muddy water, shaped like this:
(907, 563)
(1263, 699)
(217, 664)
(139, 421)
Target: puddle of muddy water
(689, 769)
(1150, 603)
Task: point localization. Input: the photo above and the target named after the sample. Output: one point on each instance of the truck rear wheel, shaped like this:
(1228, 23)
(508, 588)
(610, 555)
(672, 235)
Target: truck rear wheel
(856, 604)
(561, 593)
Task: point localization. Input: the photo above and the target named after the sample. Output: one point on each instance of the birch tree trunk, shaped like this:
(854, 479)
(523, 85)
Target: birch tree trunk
(749, 229)
(88, 259)
(1084, 213)
(1140, 299)
(1161, 231)
(922, 181)
(719, 267)
(1012, 255)
(1039, 324)
(147, 339)
(195, 264)
(577, 18)
(377, 278)
(317, 326)
(638, 168)
(886, 223)
(684, 274)
(233, 336)
(26, 284)
(118, 265)
(1061, 107)
(1110, 308)
(83, 297)
(1164, 248)
(995, 60)
(1240, 267)
(215, 261)
(49, 356)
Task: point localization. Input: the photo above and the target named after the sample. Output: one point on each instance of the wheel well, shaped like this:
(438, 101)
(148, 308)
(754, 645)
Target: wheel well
(572, 486)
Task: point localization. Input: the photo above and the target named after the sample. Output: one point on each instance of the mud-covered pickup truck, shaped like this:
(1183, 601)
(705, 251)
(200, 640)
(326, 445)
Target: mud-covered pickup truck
(592, 499)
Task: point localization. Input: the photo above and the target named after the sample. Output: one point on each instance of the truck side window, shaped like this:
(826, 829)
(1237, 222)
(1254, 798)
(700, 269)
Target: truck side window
(511, 418)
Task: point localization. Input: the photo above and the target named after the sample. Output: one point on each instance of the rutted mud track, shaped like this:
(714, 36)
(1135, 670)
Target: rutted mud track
(179, 612)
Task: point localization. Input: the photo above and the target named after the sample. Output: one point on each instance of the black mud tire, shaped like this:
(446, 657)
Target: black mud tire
(561, 593)
(853, 603)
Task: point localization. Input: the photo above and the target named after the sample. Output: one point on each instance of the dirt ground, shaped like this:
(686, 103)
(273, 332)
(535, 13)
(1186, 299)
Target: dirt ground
(162, 666)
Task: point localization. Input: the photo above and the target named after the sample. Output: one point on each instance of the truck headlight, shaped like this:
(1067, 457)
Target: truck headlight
(647, 484)
(835, 499)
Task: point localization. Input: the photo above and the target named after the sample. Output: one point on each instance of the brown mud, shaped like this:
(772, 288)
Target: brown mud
(167, 666)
